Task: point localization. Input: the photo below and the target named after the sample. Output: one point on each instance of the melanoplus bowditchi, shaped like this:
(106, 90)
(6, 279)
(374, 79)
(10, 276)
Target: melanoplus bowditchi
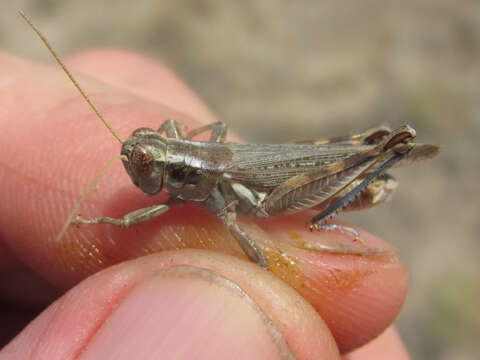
(330, 175)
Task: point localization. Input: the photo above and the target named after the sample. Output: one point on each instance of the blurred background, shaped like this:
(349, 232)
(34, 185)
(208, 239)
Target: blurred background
(283, 70)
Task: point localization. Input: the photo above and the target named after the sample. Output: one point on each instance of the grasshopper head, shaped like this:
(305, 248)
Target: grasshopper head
(144, 157)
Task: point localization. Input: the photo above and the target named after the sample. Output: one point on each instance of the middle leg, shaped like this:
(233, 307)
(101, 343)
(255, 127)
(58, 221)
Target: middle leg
(219, 131)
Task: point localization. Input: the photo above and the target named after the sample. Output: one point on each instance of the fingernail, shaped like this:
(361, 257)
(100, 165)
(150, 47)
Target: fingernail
(186, 312)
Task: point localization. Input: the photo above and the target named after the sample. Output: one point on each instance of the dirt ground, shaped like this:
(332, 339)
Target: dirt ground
(283, 70)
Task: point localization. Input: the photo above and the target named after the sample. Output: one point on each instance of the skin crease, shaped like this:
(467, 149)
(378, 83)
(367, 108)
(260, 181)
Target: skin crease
(63, 146)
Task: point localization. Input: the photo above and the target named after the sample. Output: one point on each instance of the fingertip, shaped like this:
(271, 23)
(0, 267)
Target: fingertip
(389, 342)
(357, 288)
(184, 302)
(186, 312)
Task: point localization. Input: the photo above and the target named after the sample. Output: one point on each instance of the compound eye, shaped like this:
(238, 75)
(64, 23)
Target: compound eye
(141, 161)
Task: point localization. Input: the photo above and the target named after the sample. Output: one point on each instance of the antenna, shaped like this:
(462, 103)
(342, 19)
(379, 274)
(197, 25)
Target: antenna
(85, 195)
(102, 172)
(60, 62)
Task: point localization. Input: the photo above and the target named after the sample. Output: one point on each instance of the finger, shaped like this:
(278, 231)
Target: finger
(388, 344)
(182, 305)
(357, 296)
(141, 76)
(62, 148)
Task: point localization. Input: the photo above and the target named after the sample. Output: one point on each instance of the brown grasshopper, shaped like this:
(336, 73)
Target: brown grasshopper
(331, 175)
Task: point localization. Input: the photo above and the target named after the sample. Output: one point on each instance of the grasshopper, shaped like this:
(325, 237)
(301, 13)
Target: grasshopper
(227, 179)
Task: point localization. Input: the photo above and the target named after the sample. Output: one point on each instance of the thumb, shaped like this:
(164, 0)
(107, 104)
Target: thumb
(187, 312)
(164, 306)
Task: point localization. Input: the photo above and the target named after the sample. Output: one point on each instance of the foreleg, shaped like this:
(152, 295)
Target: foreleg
(132, 218)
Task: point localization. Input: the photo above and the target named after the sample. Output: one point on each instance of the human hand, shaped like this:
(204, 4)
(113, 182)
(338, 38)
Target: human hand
(211, 304)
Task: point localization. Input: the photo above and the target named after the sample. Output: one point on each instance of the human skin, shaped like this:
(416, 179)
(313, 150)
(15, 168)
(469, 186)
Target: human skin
(135, 284)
